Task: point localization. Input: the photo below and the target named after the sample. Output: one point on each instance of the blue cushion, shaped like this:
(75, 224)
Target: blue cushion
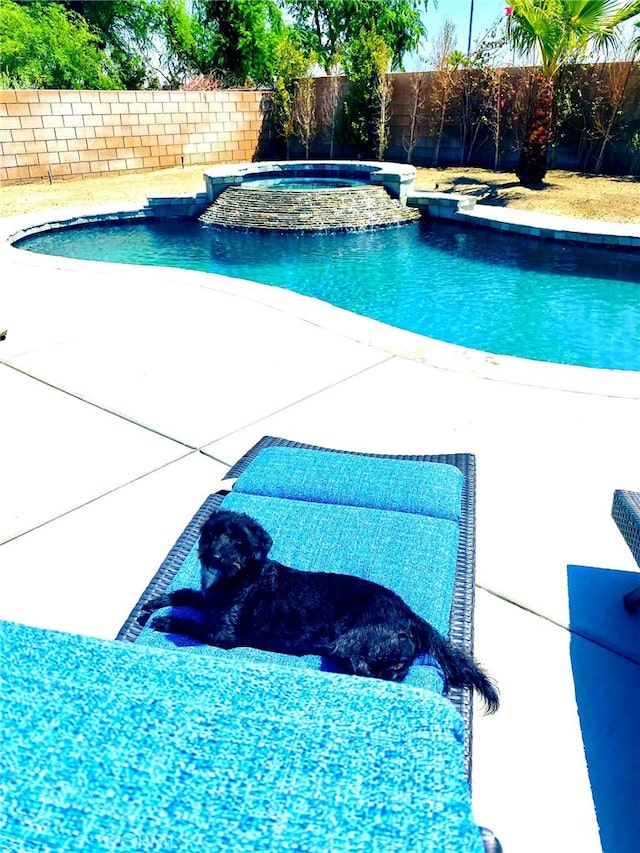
(414, 555)
(427, 488)
(110, 745)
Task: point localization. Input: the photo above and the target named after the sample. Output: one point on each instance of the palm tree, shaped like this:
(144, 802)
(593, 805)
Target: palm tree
(559, 31)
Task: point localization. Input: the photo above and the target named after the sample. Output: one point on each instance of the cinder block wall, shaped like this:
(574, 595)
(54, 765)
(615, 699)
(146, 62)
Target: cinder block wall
(69, 134)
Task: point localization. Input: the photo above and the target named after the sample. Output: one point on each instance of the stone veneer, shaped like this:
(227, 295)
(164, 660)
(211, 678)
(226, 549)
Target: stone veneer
(69, 134)
(341, 209)
(379, 200)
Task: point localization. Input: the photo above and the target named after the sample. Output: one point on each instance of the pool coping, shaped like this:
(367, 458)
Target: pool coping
(372, 333)
(462, 208)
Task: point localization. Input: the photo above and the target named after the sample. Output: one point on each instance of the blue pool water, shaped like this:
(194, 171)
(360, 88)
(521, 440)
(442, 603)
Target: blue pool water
(301, 184)
(502, 293)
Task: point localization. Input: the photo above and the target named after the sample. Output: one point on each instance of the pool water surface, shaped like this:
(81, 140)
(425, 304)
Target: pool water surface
(502, 293)
(301, 184)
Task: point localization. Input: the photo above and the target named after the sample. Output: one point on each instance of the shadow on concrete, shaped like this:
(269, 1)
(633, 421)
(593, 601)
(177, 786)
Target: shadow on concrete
(605, 658)
(496, 193)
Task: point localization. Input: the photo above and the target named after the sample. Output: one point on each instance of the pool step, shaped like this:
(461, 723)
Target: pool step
(344, 208)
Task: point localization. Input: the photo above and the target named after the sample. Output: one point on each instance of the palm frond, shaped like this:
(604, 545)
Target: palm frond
(563, 30)
(628, 11)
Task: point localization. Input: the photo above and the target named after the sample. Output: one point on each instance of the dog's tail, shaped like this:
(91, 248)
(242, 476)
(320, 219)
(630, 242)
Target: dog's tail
(459, 669)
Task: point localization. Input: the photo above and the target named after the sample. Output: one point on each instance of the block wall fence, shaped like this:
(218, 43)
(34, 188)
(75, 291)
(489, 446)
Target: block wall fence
(574, 148)
(51, 134)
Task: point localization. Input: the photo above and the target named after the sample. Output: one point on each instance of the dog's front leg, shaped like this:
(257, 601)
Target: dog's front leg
(180, 625)
(178, 598)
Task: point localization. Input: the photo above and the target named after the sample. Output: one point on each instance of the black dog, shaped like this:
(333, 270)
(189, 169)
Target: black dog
(249, 600)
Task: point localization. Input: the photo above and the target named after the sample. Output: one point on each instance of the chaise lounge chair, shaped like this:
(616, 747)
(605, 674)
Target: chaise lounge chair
(626, 514)
(160, 743)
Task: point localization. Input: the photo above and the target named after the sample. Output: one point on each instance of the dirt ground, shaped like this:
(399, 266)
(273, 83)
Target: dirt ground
(616, 199)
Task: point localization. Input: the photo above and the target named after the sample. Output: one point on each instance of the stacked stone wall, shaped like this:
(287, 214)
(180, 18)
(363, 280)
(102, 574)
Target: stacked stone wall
(314, 210)
(51, 134)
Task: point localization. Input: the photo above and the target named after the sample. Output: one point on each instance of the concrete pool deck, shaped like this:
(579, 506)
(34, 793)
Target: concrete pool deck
(127, 392)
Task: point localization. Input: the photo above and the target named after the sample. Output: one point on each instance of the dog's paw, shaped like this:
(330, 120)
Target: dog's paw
(157, 603)
(149, 607)
(162, 623)
(143, 617)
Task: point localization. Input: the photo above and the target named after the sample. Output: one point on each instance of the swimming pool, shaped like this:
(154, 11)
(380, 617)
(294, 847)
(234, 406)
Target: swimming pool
(502, 293)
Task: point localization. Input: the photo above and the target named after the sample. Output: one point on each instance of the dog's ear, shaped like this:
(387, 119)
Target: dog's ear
(261, 542)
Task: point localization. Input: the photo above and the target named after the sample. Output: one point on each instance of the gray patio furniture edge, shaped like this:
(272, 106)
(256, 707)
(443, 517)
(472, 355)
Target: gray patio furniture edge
(626, 514)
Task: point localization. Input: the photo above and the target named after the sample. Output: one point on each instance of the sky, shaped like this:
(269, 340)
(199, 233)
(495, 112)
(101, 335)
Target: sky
(485, 13)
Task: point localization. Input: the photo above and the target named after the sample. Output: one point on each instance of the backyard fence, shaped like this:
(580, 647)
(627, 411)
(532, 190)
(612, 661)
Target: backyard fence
(478, 118)
(436, 118)
(50, 134)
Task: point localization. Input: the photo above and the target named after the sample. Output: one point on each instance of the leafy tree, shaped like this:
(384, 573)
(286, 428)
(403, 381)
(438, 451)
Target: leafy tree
(126, 29)
(418, 88)
(381, 123)
(237, 38)
(608, 115)
(292, 65)
(178, 41)
(304, 111)
(366, 106)
(480, 94)
(328, 27)
(444, 85)
(137, 36)
(43, 46)
(560, 31)
(496, 91)
(169, 40)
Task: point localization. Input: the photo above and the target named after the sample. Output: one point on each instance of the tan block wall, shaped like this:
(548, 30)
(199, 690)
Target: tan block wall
(68, 134)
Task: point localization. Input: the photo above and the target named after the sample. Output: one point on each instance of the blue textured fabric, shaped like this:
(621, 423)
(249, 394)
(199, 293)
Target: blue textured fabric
(427, 488)
(111, 746)
(413, 555)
